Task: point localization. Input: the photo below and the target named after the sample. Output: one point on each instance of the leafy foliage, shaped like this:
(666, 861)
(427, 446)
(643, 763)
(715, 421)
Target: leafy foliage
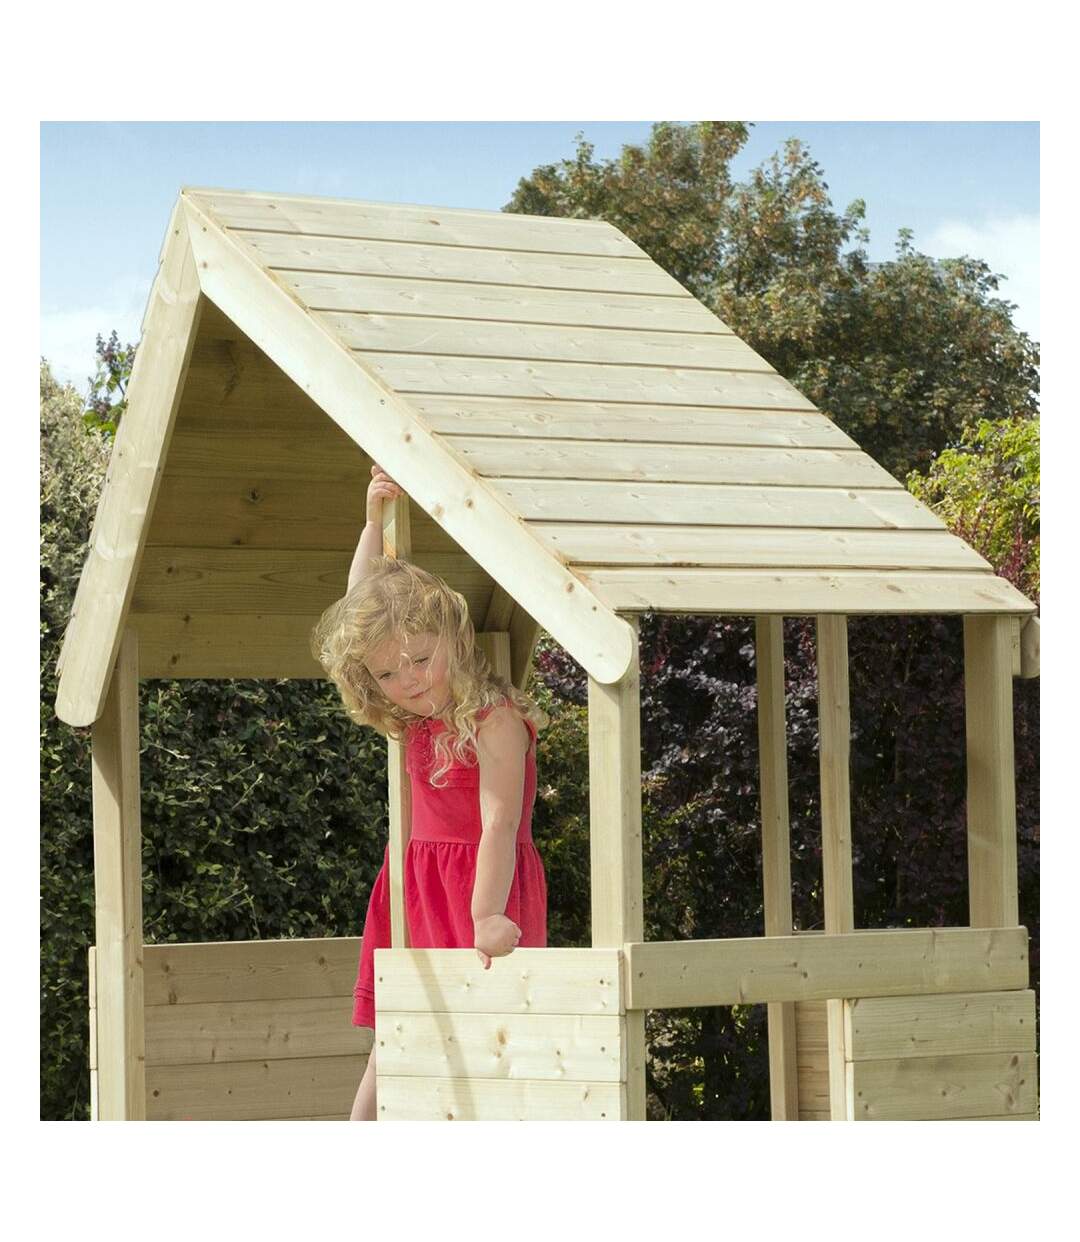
(107, 399)
(987, 490)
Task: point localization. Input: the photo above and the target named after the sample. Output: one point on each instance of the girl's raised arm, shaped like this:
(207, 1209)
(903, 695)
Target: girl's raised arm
(382, 487)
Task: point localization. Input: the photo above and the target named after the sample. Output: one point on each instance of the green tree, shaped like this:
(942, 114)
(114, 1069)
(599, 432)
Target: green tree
(902, 355)
(987, 490)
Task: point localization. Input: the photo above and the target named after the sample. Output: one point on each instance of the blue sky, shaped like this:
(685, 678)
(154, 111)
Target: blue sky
(107, 190)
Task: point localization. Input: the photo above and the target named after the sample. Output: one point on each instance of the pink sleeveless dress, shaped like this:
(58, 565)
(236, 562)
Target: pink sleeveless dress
(440, 865)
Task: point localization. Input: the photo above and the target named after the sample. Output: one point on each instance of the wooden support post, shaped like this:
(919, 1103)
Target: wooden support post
(118, 931)
(991, 788)
(834, 732)
(615, 839)
(495, 644)
(397, 542)
(776, 852)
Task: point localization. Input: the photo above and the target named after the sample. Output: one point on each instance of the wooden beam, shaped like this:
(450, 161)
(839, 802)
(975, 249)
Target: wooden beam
(991, 788)
(759, 970)
(118, 925)
(92, 638)
(524, 632)
(834, 734)
(615, 837)
(495, 645)
(500, 609)
(92, 989)
(776, 853)
(1029, 647)
(397, 542)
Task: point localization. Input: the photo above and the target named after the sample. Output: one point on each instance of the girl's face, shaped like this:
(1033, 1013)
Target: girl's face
(412, 672)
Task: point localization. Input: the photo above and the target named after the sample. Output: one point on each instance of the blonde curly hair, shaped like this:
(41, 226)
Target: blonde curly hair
(397, 599)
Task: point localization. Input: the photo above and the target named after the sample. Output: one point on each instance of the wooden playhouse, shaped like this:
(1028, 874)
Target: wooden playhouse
(580, 440)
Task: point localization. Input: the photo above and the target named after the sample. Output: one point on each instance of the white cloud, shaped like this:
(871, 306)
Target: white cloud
(1009, 245)
(68, 333)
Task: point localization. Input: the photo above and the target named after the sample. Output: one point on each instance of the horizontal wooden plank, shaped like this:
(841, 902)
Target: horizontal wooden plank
(559, 1047)
(887, 1027)
(483, 338)
(609, 273)
(714, 504)
(997, 1117)
(935, 1088)
(217, 645)
(218, 1031)
(256, 510)
(189, 580)
(541, 458)
(851, 592)
(750, 547)
(582, 381)
(249, 448)
(562, 981)
(407, 222)
(257, 645)
(513, 1099)
(624, 421)
(249, 970)
(388, 295)
(909, 962)
(253, 1090)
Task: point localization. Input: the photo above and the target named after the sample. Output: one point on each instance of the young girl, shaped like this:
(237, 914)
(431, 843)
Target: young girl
(401, 649)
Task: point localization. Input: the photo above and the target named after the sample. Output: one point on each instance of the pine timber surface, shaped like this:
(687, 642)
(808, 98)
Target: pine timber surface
(252, 1030)
(556, 367)
(492, 327)
(776, 853)
(93, 634)
(541, 1035)
(118, 996)
(480, 1099)
(374, 415)
(909, 961)
(991, 780)
(551, 981)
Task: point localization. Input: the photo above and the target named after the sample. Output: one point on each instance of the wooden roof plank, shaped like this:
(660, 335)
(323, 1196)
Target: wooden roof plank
(607, 273)
(486, 338)
(671, 463)
(715, 504)
(404, 222)
(506, 303)
(384, 425)
(755, 385)
(627, 422)
(793, 593)
(756, 547)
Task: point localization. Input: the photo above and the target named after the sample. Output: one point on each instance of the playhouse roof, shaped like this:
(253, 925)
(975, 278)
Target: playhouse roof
(572, 428)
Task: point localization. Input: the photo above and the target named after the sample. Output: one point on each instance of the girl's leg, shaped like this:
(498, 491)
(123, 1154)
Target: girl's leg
(363, 1108)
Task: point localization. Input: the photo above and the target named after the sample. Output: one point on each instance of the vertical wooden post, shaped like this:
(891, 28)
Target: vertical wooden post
(118, 930)
(993, 899)
(92, 990)
(495, 645)
(776, 852)
(834, 732)
(397, 542)
(615, 839)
